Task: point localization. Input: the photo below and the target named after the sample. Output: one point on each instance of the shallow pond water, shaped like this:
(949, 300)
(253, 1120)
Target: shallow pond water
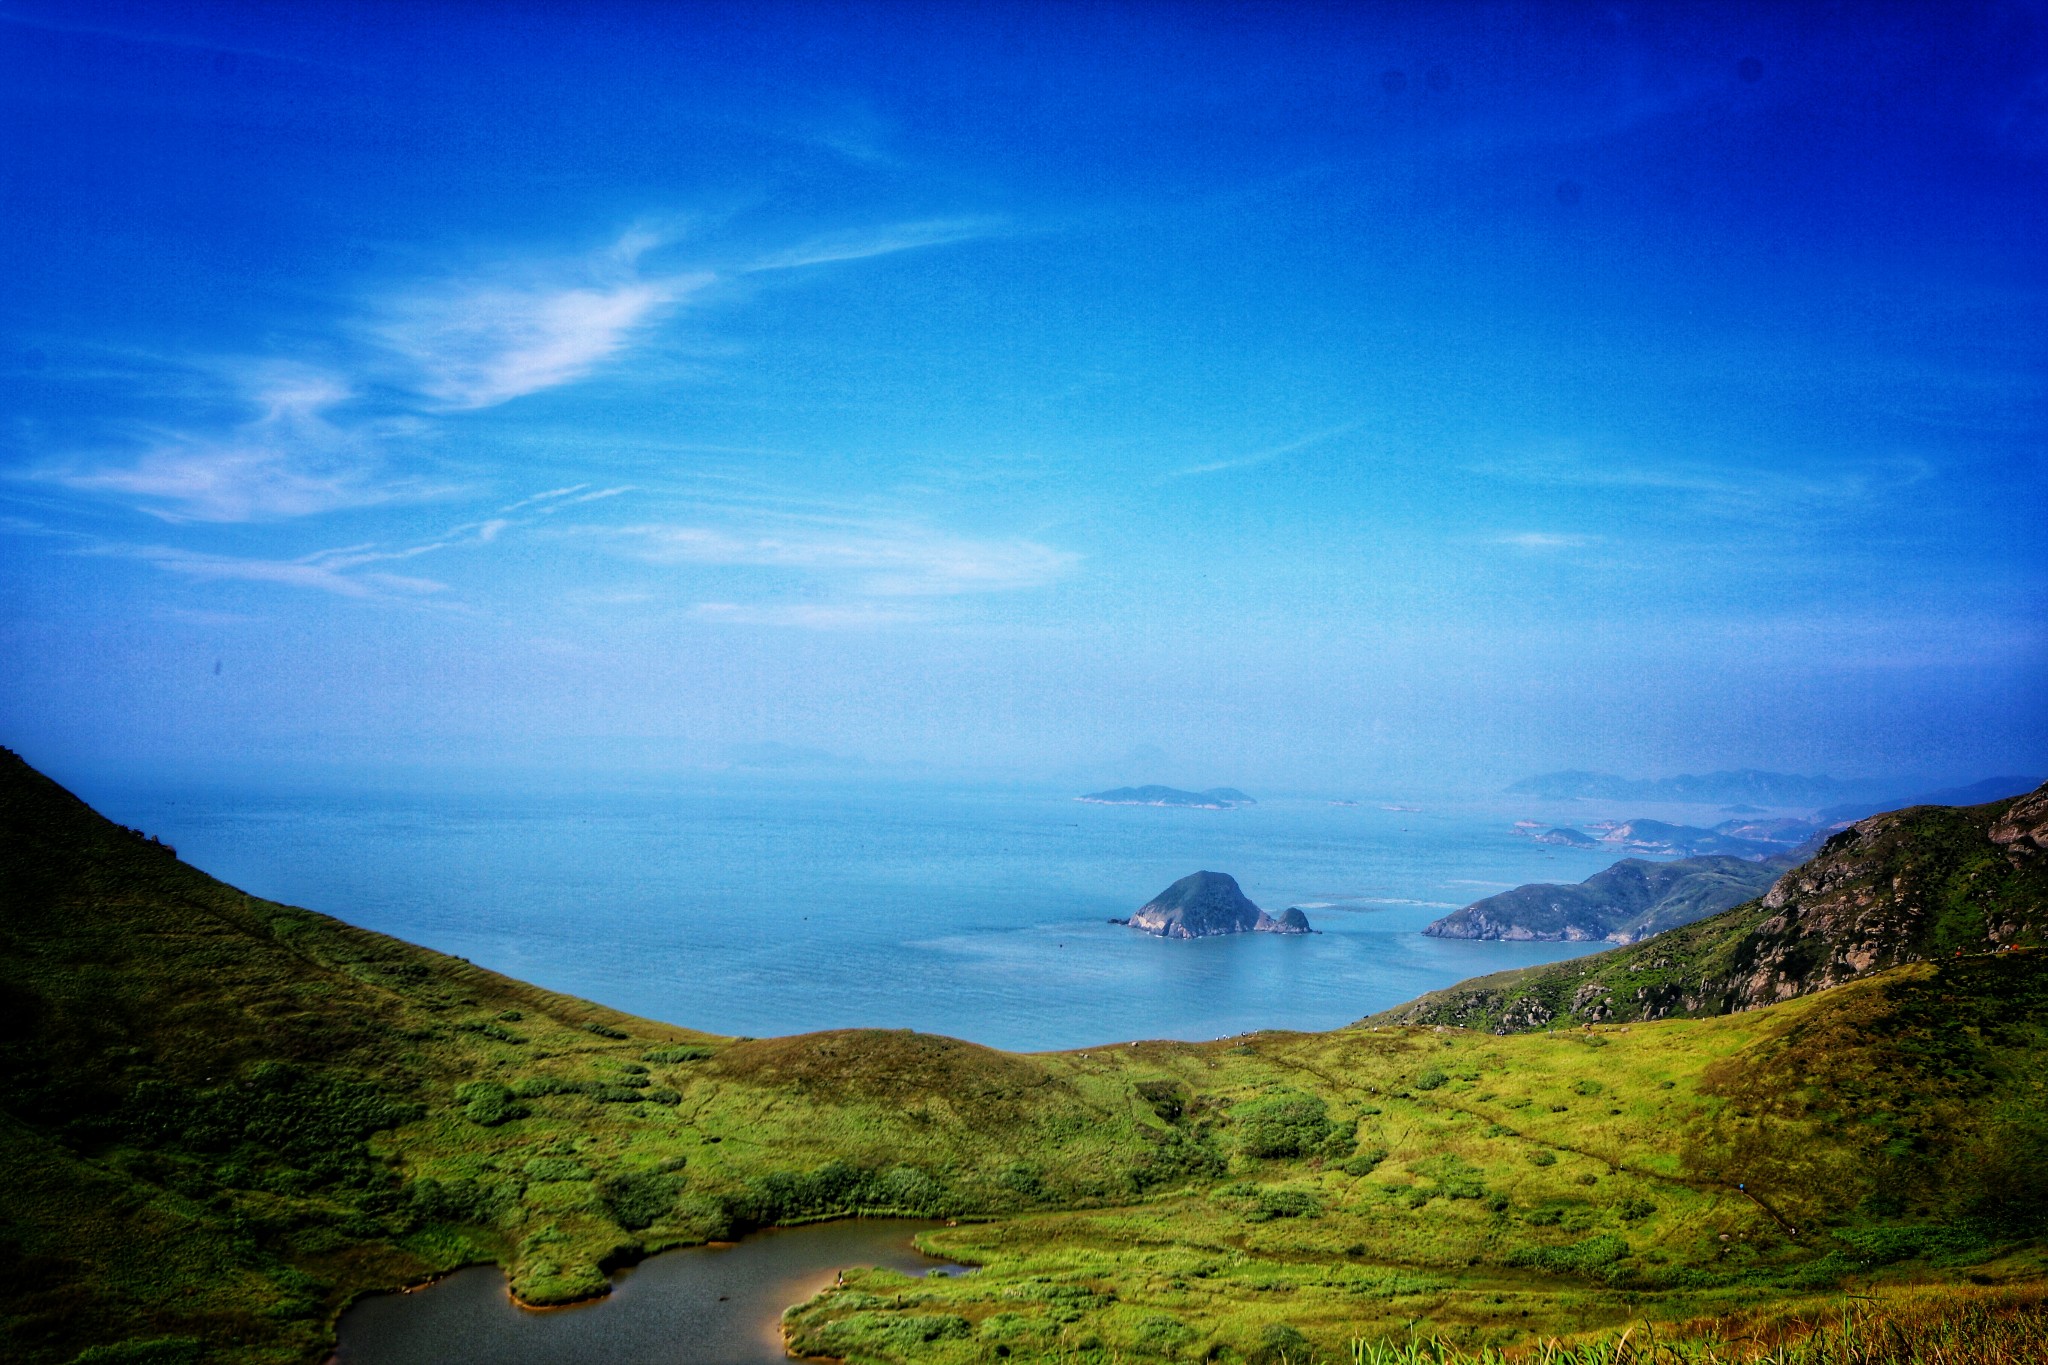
(718, 1305)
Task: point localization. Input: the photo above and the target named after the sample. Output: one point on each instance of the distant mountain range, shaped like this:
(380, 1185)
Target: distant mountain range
(1976, 794)
(1216, 798)
(1838, 799)
(1746, 785)
(1754, 840)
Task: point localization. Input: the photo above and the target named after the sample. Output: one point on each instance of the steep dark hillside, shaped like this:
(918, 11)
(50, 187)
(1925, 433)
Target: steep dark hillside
(1631, 900)
(191, 1080)
(1909, 886)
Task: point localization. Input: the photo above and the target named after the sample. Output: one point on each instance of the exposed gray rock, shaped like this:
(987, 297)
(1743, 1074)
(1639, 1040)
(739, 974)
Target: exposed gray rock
(1203, 904)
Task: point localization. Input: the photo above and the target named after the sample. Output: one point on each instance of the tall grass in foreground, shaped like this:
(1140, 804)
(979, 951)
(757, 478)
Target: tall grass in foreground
(1928, 1329)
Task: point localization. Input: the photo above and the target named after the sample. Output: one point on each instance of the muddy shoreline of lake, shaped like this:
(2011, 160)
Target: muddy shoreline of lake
(717, 1304)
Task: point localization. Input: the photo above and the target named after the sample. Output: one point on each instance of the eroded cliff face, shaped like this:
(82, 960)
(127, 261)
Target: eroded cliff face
(1914, 885)
(1901, 887)
(2023, 830)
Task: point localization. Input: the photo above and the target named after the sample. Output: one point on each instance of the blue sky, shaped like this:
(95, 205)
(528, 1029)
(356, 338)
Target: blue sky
(1324, 398)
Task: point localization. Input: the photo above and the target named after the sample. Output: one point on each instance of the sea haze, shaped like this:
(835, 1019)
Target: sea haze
(747, 908)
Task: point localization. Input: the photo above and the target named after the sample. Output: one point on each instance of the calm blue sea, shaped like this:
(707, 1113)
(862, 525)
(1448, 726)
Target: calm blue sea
(760, 909)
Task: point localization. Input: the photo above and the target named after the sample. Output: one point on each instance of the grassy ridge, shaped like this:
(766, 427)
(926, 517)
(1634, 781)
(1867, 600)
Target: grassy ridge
(222, 1118)
(1509, 1188)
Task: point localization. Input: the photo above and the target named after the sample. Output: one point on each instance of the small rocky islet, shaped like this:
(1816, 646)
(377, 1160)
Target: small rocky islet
(1216, 798)
(1205, 904)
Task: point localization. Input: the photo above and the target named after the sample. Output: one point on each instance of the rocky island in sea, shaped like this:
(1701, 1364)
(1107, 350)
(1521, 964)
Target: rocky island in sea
(1216, 798)
(1628, 902)
(1203, 904)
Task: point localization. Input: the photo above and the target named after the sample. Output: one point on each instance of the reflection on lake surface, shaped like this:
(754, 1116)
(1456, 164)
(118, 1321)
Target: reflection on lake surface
(700, 1306)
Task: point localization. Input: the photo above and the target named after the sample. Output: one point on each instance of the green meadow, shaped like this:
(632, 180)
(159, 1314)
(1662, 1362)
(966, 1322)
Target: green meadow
(225, 1119)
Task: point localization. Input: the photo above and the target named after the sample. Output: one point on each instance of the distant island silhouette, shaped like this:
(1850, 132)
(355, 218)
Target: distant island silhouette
(1216, 798)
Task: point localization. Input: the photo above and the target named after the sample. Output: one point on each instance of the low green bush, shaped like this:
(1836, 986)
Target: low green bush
(1289, 1123)
(490, 1030)
(1280, 1344)
(1159, 1334)
(153, 1351)
(312, 1120)
(838, 1188)
(1264, 1203)
(457, 1201)
(1175, 1162)
(867, 1335)
(1167, 1098)
(1366, 1161)
(1455, 1178)
(488, 1104)
(556, 1168)
(630, 1092)
(1589, 1257)
(640, 1198)
(1024, 1180)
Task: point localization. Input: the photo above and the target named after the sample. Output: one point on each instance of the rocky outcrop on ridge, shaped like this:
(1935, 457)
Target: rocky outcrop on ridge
(1915, 885)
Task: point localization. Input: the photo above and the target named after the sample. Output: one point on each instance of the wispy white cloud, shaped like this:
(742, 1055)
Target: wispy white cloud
(1725, 488)
(875, 559)
(344, 571)
(313, 572)
(808, 615)
(1543, 540)
(1267, 455)
(304, 439)
(549, 496)
(476, 346)
(291, 459)
(863, 243)
(320, 439)
(175, 40)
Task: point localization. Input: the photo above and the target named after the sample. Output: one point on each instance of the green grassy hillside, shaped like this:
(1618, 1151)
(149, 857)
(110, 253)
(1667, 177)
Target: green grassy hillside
(221, 1119)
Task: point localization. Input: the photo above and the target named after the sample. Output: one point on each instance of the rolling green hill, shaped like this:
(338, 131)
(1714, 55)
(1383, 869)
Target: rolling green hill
(221, 1119)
